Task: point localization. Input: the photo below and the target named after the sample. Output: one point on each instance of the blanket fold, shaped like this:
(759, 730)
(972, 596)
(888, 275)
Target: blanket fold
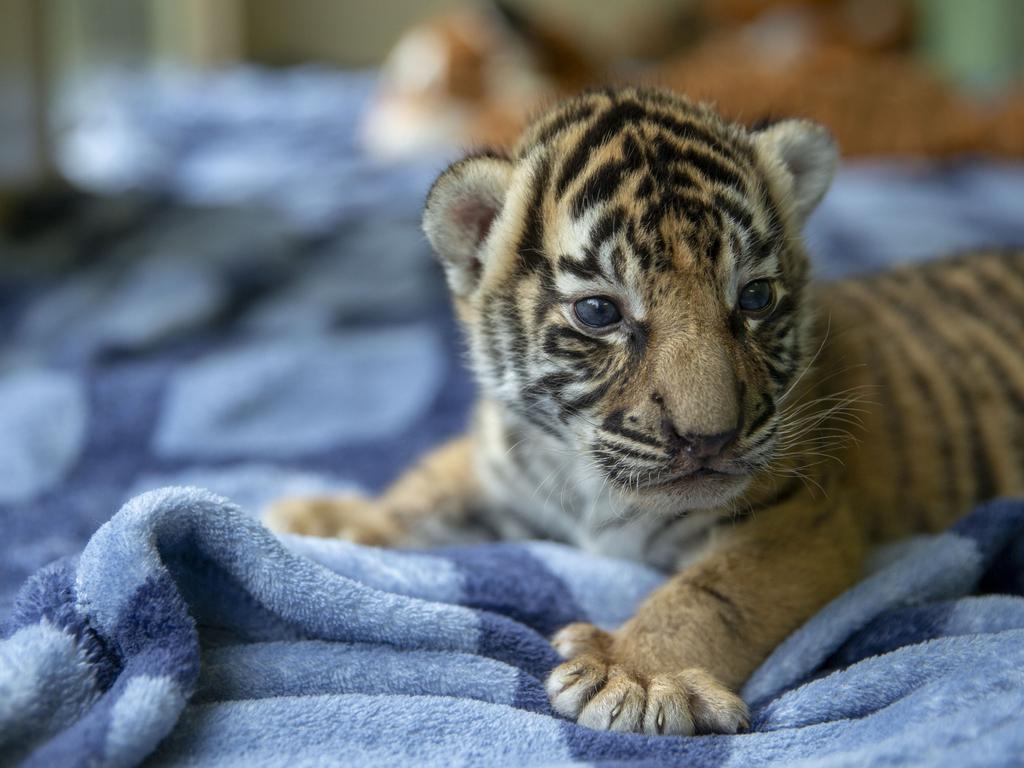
(187, 634)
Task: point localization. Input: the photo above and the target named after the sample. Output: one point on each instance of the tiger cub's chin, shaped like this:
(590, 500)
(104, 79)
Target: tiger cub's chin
(697, 494)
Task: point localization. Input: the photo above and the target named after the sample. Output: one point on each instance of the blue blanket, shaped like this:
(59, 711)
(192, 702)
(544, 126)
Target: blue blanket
(187, 634)
(252, 309)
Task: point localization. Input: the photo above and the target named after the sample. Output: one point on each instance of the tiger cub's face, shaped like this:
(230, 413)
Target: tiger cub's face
(632, 282)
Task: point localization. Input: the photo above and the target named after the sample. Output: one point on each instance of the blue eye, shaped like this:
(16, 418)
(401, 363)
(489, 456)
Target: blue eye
(757, 296)
(597, 312)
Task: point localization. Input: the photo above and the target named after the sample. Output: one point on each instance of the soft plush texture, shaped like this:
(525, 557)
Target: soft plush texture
(153, 339)
(187, 634)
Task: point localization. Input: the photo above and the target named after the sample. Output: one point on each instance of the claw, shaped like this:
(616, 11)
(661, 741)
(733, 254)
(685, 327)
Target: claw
(570, 679)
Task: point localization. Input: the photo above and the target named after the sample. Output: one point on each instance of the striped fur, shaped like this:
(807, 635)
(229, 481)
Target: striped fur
(856, 412)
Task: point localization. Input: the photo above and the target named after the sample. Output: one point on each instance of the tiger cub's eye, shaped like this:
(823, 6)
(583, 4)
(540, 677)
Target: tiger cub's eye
(597, 312)
(757, 296)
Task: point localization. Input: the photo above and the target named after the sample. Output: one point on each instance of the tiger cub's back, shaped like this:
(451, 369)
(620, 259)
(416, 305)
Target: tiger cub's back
(933, 356)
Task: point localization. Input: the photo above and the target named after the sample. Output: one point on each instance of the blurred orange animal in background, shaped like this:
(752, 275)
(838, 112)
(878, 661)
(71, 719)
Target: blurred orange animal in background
(473, 77)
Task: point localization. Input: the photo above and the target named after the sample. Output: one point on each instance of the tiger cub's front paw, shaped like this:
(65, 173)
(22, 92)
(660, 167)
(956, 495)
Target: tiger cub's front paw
(353, 518)
(605, 693)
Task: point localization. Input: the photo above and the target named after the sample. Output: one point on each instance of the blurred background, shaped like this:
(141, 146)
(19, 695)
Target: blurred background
(211, 270)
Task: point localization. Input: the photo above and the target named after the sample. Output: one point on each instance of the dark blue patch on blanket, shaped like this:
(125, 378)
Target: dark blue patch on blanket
(508, 579)
(331, 649)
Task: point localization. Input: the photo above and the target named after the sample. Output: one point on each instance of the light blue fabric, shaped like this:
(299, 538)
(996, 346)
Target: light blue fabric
(186, 634)
(42, 421)
(293, 396)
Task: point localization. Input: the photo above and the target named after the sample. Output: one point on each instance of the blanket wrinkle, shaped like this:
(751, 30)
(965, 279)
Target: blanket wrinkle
(187, 634)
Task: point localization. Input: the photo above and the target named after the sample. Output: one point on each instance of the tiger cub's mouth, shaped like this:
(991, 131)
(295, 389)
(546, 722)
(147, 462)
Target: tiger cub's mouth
(711, 481)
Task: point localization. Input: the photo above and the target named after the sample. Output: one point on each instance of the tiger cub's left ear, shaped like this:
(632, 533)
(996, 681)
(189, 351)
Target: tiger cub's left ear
(802, 155)
(460, 209)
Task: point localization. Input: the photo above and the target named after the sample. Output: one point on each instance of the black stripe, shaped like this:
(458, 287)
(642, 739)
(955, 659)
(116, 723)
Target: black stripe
(768, 435)
(779, 328)
(645, 189)
(1007, 300)
(1003, 315)
(730, 613)
(614, 424)
(608, 224)
(713, 169)
(632, 453)
(735, 210)
(690, 131)
(679, 183)
(894, 416)
(612, 467)
(981, 465)
(762, 418)
(952, 295)
(785, 306)
(1003, 378)
(601, 185)
(708, 159)
(713, 245)
(573, 115)
(601, 131)
(639, 248)
(531, 244)
(587, 268)
(555, 334)
(779, 371)
(639, 332)
(763, 246)
(591, 398)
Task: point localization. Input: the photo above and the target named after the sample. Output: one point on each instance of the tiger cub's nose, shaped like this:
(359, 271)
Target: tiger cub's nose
(699, 446)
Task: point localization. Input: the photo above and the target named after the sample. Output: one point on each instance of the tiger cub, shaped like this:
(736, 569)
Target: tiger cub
(661, 382)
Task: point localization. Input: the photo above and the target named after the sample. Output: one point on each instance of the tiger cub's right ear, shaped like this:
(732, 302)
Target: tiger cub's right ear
(461, 206)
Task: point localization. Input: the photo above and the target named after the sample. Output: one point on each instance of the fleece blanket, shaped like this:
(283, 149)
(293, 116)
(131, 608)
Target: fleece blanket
(186, 634)
(246, 304)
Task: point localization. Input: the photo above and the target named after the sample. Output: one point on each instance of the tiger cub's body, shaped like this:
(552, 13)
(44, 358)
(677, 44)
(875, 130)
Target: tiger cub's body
(940, 349)
(660, 381)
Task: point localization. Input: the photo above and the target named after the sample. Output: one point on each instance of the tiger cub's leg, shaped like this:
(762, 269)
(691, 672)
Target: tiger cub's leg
(435, 494)
(673, 667)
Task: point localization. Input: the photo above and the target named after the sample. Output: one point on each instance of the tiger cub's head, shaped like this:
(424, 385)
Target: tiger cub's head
(632, 282)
